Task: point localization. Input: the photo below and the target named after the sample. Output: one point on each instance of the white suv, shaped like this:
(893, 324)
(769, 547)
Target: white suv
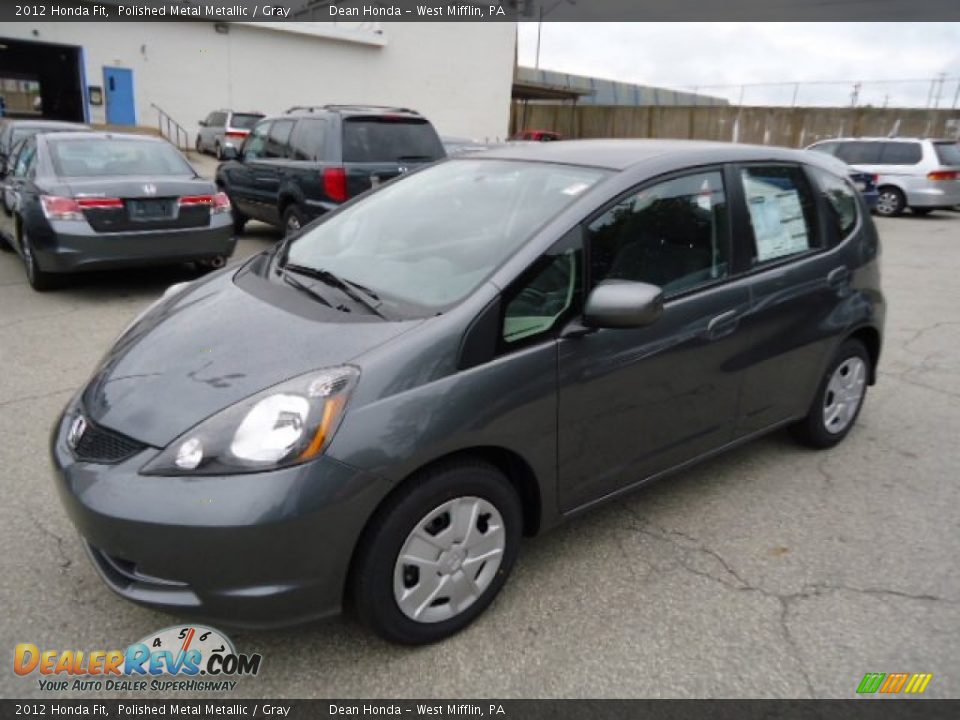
(921, 174)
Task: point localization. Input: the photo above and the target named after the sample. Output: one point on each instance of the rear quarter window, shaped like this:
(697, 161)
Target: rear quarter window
(842, 206)
(385, 139)
(859, 153)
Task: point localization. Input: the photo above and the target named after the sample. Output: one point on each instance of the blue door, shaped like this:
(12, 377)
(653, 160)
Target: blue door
(119, 91)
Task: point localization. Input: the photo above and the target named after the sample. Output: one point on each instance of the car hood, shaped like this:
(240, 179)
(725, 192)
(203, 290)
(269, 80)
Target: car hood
(205, 349)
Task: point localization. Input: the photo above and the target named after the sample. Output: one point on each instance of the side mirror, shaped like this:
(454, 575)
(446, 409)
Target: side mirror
(229, 153)
(623, 304)
(202, 123)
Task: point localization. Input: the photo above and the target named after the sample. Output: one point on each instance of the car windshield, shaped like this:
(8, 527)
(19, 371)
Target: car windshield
(430, 239)
(86, 157)
(244, 121)
(948, 153)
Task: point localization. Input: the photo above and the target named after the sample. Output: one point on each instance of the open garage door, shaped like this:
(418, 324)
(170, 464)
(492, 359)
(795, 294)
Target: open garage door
(40, 79)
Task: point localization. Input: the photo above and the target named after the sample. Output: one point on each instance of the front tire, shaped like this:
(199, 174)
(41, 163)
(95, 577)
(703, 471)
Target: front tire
(890, 202)
(436, 554)
(839, 398)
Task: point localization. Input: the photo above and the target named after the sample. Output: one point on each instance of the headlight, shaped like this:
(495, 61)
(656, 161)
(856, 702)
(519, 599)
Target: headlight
(288, 424)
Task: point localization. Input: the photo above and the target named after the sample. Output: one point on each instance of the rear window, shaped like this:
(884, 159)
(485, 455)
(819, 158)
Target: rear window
(99, 158)
(244, 121)
(948, 153)
(384, 139)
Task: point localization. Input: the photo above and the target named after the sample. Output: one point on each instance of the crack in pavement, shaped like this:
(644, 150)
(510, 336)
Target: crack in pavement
(52, 393)
(65, 561)
(736, 582)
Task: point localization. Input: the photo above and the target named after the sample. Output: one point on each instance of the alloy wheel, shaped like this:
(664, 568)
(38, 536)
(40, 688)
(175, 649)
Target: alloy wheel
(844, 394)
(888, 203)
(449, 559)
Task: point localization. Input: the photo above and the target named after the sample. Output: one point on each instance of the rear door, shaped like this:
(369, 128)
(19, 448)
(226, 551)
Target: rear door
(635, 402)
(377, 148)
(795, 280)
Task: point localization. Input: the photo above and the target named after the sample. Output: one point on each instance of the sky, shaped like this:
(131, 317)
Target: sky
(685, 55)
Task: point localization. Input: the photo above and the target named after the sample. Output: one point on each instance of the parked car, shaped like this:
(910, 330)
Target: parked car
(538, 135)
(298, 166)
(388, 401)
(866, 183)
(223, 129)
(77, 201)
(462, 146)
(921, 174)
(13, 132)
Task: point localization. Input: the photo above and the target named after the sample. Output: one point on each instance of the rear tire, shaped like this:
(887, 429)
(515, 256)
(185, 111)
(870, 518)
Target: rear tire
(39, 280)
(839, 397)
(463, 522)
(891, 202)
(218, 151)
(199, 146)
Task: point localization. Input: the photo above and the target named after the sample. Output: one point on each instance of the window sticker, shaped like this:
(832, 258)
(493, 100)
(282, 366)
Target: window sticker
(777, 218)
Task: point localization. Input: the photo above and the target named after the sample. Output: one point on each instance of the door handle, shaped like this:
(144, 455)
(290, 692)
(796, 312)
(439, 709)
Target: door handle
(723, 324)
(838, 277)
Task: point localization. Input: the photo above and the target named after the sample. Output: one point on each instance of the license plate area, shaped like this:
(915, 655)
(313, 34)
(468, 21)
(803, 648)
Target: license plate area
(152, 209)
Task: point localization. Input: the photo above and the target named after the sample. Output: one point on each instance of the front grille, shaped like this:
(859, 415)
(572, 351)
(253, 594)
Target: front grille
(99, 445)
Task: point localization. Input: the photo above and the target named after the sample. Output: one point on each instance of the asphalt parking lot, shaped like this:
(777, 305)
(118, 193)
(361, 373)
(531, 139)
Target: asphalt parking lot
(774, 571)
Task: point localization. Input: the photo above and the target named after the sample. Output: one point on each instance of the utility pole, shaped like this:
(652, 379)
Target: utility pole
(956, 95)
(940, 80)
(796, 91)
(855, 95)
(536, 64)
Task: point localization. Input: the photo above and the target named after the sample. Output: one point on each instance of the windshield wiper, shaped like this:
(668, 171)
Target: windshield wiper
(355, 292)
(415, 157)
(303, 287)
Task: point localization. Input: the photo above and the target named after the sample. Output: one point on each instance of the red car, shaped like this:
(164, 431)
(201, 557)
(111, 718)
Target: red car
(538, 135)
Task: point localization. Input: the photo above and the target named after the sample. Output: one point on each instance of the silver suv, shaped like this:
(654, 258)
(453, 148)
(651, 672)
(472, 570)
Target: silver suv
(921, 174)
(224, 129)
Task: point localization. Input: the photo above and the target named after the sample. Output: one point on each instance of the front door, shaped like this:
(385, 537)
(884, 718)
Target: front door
(635, 402)
(119, 90)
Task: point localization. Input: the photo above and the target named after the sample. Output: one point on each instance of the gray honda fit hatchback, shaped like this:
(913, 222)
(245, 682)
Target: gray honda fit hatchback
(375, 411)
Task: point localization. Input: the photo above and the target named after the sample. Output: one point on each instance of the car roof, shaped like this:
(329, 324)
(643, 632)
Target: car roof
(622, 154)
(101, 135)
(307, 110)
(884, 139)
(51, 124)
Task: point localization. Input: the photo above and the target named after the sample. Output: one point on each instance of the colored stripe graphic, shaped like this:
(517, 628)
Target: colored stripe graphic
(870, 683)
(893, 683)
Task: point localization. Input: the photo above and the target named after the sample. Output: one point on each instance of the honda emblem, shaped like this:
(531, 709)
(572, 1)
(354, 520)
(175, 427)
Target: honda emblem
(150, 189)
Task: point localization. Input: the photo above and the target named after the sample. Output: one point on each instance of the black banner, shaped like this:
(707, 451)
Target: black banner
(472, 11)
(864, 709)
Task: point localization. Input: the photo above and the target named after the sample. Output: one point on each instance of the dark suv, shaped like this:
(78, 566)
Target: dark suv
(295, 167)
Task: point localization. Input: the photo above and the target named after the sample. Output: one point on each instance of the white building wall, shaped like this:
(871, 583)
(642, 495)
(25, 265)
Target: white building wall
(459, 75)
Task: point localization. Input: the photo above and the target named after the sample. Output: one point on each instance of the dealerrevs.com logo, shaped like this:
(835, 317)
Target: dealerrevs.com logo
(179, 658)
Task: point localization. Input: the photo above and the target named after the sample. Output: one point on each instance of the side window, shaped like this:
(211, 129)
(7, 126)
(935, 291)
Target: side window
(307, 140)
(842, 205)
(211, 119)
(781, 210)
(674, 234)
(901, 153)
(859, 153)
(279, 138)
(26, 158)
(219, 119)
(546, 293)
(256, 143)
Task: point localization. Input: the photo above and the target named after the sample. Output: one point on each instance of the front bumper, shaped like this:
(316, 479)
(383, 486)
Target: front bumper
(72, 246)
(251, 550)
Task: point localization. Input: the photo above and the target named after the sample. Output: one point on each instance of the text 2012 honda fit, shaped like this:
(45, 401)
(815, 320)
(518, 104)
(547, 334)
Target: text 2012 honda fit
(376, 410)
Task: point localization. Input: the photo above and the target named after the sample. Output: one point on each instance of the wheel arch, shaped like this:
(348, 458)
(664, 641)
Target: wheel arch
(870, 337)
(514, 467)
